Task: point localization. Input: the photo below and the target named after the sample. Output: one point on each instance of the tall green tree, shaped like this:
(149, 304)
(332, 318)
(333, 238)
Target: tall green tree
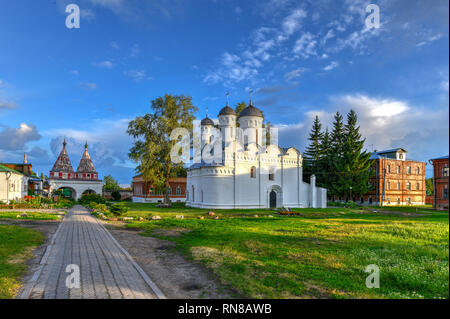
(313, 151)
(430, 186)
(110, 184)
(152, 145)
(356, 163)
(324, 161)
(336, 156)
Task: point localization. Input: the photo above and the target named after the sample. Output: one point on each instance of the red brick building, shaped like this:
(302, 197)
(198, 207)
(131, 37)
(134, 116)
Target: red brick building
(397, 180)
(144, 192)
(440, 181)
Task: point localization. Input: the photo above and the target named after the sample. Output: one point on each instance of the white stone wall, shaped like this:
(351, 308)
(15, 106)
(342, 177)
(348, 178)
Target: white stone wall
(78, 186)
(18, 187)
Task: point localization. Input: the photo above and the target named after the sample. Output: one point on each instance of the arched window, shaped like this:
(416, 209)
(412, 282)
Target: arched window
(169, 191)
(388, 169)
(271, 174)
(178, 190)
(418, 186)
(417, 170)
(253, 172)
(408, 186)
(398, 185)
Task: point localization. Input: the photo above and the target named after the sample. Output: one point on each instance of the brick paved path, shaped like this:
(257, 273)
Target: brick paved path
(106, 269)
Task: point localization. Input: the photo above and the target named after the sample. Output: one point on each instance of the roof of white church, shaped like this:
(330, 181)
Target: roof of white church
(251, 110)
(207, 121)
(63, 163)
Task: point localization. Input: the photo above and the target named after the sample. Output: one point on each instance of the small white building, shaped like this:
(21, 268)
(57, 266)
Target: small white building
(74, 184)
(248, 174)
(13, 184)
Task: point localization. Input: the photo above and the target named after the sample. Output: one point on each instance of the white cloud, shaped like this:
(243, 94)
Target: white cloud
(105, 64)
(12, 139)
(88, 86)
(232, 70)
(74, 72)
(305, 45)
(330, 34)
(429, 40)
(138, 75)
(294, 74)
(293, 21)
(331, 66)
(4, 104)
(384, 122)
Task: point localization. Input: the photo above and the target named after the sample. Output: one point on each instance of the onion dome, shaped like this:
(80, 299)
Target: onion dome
(251, 111)
(207, 121)
(63, 163)
(86, 165)
(227, 110)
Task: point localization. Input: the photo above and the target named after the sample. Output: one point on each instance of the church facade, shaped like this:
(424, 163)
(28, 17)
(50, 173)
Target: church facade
(74, 184)
(248, 174)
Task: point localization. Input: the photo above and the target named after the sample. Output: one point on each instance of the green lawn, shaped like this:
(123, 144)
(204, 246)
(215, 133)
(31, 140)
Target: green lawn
(30, 216)
(16, 244)
(322, 253)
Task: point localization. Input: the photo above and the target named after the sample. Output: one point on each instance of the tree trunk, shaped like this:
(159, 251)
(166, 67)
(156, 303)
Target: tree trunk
(166, 194)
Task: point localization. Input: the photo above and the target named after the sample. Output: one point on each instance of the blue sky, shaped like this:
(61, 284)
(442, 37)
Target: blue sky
(301, 58)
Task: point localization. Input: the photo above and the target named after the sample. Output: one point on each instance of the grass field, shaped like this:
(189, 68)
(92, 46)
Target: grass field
(16, 244)
(30, 216)
(321, 254)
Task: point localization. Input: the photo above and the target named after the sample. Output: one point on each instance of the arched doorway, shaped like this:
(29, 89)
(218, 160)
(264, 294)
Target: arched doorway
(274, 196)
(88, 191)
(273, 199)
(67, 192)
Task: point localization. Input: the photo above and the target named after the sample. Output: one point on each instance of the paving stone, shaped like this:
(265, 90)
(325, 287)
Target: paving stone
(105, 270)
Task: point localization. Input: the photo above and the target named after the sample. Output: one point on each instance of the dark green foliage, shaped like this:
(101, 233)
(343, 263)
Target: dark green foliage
(152, 143)
(110, 184)
(118, 209)
(430, 186)
(338, 159)
(116, 195)
(313, 152)
(88, 198)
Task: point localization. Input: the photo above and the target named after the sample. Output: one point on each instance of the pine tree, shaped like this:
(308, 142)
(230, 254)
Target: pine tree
(313, 152)
(357, 162)
(336, 157)
(323, 165)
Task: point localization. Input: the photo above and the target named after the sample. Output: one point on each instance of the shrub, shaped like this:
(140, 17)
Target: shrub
(88, 198)
(118, 209)
(100, 208)
(116, 195)
(351, 204)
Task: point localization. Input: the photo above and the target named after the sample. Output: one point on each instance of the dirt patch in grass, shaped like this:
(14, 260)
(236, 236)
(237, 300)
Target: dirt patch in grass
(173, 232)
(173, 274)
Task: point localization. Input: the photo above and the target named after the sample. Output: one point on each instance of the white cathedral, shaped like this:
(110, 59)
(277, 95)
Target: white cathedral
(248, 174)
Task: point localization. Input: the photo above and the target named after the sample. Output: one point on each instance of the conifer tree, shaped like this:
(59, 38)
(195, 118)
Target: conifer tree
(313, 152)
(324, 164)
(357, 161)
(336, 156)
